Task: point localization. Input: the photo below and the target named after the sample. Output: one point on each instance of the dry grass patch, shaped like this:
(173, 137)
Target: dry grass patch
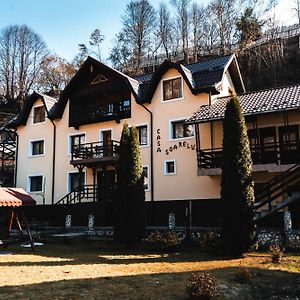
(100, 271)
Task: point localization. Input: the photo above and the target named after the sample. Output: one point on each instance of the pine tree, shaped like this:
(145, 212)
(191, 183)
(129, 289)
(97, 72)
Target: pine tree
(129, 225)
(237, 187)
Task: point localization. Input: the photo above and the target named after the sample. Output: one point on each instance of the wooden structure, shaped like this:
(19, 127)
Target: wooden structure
(12, 201)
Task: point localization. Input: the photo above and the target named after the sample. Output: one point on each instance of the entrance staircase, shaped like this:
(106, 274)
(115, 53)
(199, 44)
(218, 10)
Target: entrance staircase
(86, 193)
(278, 193)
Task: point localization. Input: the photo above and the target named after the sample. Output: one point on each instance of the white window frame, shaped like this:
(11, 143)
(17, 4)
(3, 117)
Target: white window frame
(165, 167)
(148, 178)
(171, 130)
(69, 140)
(32, 119)
(28, 183)
(68, 179)
(162, 90)
(31, 148)
(148, 139)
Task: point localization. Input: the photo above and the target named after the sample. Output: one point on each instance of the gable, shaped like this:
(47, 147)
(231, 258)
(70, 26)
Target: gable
(94, 79)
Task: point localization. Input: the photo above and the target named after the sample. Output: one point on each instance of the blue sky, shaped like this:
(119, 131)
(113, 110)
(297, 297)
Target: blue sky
(63, 24)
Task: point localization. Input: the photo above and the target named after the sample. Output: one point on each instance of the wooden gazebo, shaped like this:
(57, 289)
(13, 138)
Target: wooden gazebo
(12, 201)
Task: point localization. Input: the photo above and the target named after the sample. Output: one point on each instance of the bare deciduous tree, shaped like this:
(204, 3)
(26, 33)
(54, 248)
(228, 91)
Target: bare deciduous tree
(55, 74)
(21, 55)
(225, 18)
(96, 38)
(165, 29)
(120, 53)
(296, 8)
(183, 19)
(197, 29)
(139, 21)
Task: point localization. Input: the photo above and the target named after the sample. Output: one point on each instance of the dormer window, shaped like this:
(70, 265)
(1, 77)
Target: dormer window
(39, 114)
(172, 89)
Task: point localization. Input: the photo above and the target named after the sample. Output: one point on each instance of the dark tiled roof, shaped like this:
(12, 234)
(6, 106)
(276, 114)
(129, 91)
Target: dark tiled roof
(209, 65)
(260, 102)
(49, 102)
(200, 75)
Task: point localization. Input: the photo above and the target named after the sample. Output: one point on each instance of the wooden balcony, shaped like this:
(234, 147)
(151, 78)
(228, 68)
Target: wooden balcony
(272, 157)
(99, 112)
(96, 153)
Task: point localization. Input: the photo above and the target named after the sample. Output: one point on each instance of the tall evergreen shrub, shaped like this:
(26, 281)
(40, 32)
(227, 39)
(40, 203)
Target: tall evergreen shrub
(237, 187)
(129, 225)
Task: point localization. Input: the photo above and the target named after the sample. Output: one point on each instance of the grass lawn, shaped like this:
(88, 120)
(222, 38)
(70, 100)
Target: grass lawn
(95, 270)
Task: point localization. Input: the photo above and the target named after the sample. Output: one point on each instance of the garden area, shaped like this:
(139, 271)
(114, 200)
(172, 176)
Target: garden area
(104, 270)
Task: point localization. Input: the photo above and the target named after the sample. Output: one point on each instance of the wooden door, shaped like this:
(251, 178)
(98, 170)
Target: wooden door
(106, 182)
(289, 144)
(107, 142)
(268, 145)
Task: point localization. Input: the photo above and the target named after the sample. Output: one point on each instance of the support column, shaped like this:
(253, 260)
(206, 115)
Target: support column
(198, 145)
(94, 183)
(80, 187)
(287, 226)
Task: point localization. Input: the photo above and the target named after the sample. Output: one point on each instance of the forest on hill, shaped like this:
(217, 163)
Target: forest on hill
(179, 30)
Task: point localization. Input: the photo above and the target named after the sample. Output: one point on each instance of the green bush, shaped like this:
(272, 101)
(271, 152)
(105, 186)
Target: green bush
(163, 240)
(243, 275)
(201, 286)
(209, 241)
(276, 253)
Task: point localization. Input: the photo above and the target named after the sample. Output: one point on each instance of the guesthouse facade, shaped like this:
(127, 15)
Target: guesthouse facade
(68, 147)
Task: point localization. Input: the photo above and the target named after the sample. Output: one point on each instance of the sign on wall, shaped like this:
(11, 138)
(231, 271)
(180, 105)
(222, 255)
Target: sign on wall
(178, 145)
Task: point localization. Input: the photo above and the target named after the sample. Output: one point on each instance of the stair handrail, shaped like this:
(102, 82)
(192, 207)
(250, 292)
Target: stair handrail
(278, 183)
(68, 199)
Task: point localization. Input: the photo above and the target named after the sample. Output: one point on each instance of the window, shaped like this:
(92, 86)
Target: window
(36, 183)
(172, 89)
(181, 130)
(125, 105)
(76, 140)
(37, 148)
(146, 178)
(74, 180)
(39, 114)
(143, 135)
(170, 167)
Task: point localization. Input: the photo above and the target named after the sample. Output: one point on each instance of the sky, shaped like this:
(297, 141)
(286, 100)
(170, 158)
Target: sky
(63, 24)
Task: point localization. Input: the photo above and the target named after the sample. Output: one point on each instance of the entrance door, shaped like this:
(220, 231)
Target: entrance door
(268, 145)
(289, 144)
(106, 181)
(107, 143)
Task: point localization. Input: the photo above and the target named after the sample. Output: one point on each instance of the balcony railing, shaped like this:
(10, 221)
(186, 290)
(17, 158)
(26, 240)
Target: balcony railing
(272, 153)
(96, 151)
(87, 114)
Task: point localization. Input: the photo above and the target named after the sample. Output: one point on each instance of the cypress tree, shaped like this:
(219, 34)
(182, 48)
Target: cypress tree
(129, 225)
(237, 187)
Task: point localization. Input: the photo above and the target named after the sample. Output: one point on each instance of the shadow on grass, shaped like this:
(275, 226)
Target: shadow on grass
(264, 284)
(107, 253)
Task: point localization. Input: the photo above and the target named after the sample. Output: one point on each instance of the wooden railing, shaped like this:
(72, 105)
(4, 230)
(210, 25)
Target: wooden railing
(279, 188)
(272, 153)
(95, 150)
(99, 112)
(87, 192)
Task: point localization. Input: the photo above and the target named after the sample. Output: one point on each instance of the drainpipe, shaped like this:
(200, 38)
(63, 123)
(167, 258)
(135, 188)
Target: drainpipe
(151, 161)
(53, 161)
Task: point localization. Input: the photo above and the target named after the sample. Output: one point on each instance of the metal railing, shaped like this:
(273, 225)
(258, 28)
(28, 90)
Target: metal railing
(95, 150)
(271, 153)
